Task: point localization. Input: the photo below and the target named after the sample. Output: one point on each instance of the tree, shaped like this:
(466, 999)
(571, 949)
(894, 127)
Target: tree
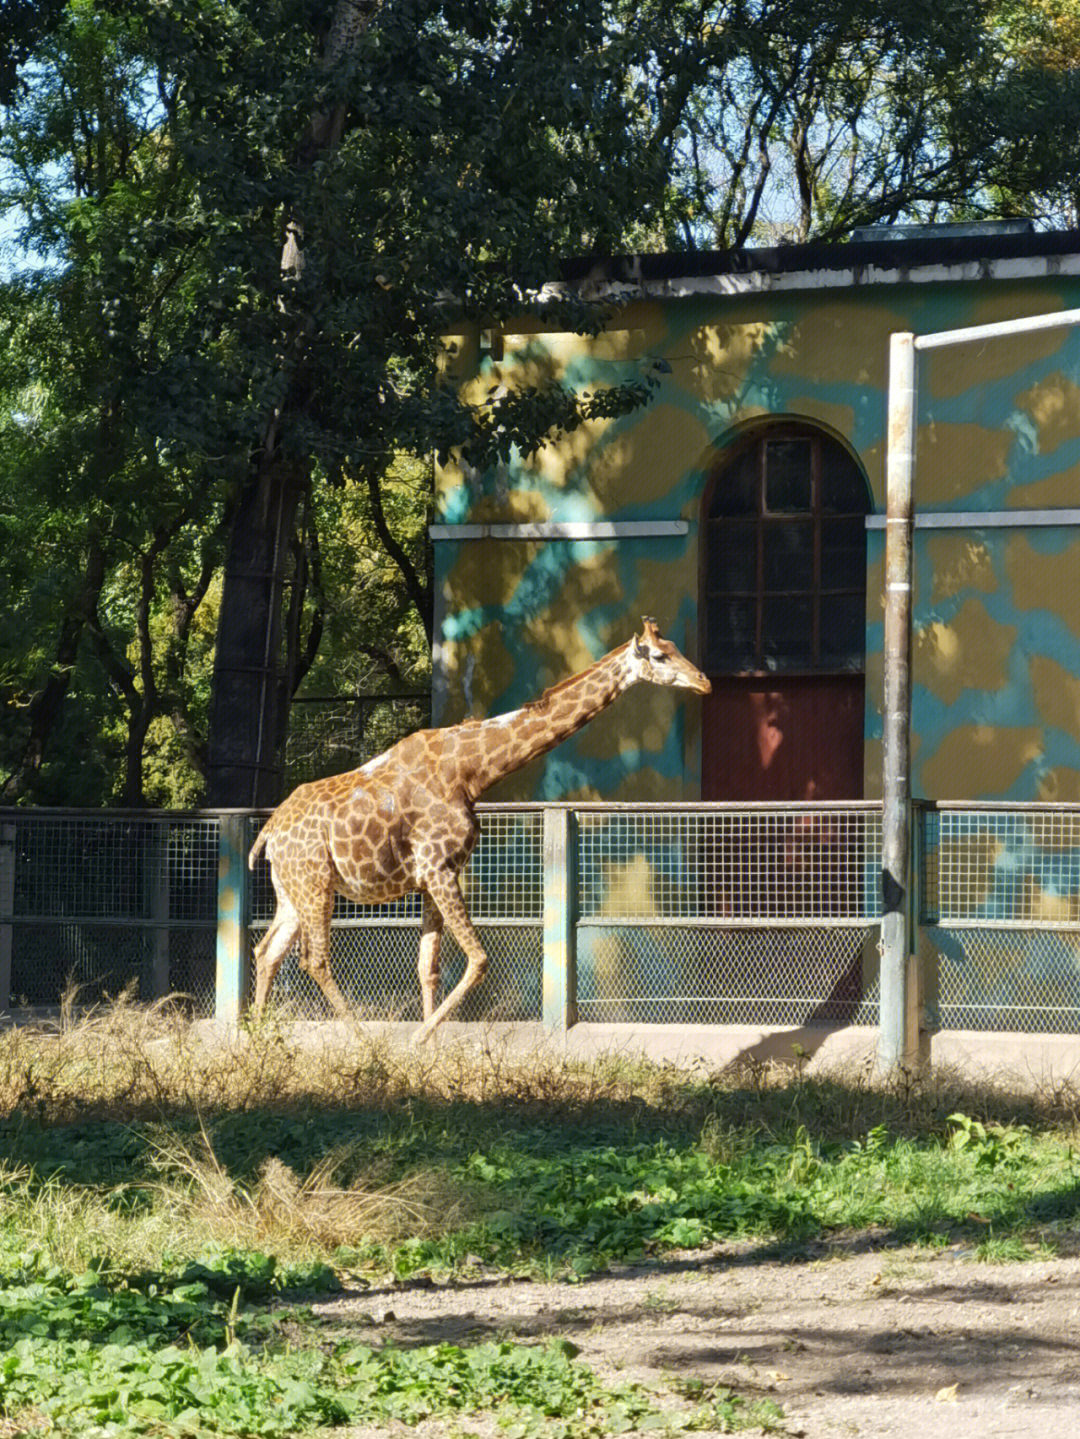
(23, 26)
(255, 225)
(93, 514)
(407, 180)
(792, 120)
(227, 390)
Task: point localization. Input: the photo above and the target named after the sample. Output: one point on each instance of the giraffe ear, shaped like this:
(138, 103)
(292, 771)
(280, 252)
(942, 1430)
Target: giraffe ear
(641, 649)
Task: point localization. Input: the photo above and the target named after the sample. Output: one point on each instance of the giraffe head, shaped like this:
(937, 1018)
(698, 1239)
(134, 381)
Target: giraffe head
(656, 661)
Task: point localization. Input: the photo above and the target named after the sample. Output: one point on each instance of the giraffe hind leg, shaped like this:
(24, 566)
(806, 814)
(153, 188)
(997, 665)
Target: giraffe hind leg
(428, 965)
(445, 894)
(272, 949)
(315, 951)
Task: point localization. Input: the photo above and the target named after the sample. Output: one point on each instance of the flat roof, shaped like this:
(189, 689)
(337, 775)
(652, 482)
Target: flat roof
(945, 253)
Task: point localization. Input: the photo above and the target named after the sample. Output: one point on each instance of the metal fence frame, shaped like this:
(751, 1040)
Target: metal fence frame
(982, 871)
(998, 916)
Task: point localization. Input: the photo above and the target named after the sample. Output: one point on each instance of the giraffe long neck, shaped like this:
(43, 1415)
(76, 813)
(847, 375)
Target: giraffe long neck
(510, 741)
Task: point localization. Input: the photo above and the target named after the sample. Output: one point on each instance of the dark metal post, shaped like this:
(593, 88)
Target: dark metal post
(7, 909)
(158, 878)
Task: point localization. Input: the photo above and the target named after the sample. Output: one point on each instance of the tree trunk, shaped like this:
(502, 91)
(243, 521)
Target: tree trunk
(247, 720)
(249, 703)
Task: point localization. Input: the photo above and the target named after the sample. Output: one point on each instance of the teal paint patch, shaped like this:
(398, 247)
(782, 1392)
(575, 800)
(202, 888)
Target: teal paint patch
(874, 723)
(538, 585)
(1051, 540)
(931, 309)
(453, 506)
(993, 404)
(538, 588)
(572, 499)
(760, 387)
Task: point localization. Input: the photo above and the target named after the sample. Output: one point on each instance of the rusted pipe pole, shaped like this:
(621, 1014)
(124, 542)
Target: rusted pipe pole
(896, 1043)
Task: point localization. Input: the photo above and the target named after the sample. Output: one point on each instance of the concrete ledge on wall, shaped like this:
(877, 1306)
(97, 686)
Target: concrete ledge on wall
(1030, 1061)
(564, 530)
(1026, 1062)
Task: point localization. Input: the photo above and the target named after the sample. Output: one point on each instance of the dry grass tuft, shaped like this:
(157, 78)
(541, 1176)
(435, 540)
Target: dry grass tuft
(153, 1067)
(284, 1212)
(26, 1421)
(126, 1062)
(129, 1062)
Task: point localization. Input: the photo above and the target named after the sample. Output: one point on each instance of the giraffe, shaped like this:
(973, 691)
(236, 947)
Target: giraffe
(405, 821)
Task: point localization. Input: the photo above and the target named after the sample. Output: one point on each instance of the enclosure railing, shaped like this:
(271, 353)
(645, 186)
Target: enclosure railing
(646, 914)
(999, 916)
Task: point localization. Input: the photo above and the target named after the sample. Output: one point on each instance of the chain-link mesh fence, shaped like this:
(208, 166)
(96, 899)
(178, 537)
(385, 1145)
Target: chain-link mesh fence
(1000, 917)
(106, 901)
(682, 914)
(729, 914)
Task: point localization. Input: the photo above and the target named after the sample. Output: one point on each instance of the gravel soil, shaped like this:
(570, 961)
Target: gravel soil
(848, 1338)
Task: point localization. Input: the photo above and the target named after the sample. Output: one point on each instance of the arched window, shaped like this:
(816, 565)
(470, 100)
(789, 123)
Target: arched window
(783, 611)
(785, 557)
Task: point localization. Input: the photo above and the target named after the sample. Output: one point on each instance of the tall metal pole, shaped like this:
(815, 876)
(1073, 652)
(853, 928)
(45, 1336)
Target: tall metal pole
(896, 1043)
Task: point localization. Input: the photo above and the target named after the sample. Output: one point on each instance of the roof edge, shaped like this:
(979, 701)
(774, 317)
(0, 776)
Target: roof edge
(860, 260)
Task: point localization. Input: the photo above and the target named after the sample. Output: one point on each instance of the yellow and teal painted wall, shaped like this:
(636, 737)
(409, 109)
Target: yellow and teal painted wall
(545, 563)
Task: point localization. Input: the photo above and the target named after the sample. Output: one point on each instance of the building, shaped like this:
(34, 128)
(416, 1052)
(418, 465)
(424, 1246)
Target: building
(744, 508)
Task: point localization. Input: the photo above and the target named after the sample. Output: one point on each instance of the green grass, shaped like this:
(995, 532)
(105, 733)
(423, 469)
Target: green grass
(167, 1205)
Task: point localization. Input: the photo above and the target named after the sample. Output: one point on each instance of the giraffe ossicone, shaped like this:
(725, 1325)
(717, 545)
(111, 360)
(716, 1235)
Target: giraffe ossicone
(405, 822)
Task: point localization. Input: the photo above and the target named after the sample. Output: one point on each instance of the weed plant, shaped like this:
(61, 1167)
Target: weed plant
(162, 1183)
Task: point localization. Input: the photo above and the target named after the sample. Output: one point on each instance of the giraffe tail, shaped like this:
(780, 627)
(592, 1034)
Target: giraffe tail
(257, 847)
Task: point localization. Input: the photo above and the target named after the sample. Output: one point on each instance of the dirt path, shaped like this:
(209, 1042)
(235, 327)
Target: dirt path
(881, 1343)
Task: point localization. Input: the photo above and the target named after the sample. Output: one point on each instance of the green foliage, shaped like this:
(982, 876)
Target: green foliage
(155, 165)
(135, 1355)
(553, 1199)
(809, 119)
(583, 1208)
(154, 158)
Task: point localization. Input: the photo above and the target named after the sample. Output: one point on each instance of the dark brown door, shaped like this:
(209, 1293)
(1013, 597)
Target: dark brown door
(784, 618)
(784, 738)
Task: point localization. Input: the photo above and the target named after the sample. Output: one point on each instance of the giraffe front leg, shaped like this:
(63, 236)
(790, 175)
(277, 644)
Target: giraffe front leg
(444, 893)
(428, 966)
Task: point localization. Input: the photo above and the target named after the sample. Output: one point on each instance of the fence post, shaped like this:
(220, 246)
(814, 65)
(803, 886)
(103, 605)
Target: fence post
(7, 909)
(233, 939)
(160, 909)
(560, 977)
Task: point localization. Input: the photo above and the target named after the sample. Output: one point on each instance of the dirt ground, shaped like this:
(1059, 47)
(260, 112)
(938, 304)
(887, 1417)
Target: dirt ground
(850, 1339)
